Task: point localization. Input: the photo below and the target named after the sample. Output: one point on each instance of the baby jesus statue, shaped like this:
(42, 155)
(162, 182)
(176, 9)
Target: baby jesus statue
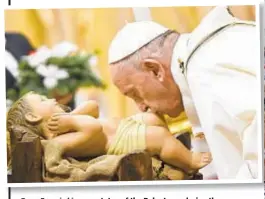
(82, 134)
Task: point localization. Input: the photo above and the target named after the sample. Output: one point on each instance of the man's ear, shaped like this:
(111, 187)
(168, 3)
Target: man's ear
(33, 118)
(155, 67)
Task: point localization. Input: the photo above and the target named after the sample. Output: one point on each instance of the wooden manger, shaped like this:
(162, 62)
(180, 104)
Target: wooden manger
(26, 157)
(27, 162)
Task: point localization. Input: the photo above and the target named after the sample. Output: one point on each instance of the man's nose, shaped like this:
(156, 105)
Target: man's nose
(143, 107)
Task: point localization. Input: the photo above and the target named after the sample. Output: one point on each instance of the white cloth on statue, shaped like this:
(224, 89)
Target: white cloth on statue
(221, 89)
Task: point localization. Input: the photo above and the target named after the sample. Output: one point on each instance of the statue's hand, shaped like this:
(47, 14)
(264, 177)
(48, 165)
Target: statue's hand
(60, 123)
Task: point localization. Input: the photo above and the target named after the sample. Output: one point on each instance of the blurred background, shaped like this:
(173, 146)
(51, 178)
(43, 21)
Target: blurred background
(93, 29)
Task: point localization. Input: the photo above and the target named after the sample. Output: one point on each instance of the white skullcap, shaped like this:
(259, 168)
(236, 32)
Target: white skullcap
(132, 37)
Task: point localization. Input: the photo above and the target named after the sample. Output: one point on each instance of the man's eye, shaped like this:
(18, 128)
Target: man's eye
(137, 98)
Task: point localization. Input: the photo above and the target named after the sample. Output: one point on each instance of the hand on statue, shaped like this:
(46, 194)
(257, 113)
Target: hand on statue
(60, 123)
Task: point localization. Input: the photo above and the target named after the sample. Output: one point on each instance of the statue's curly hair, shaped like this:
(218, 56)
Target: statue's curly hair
(16, 116)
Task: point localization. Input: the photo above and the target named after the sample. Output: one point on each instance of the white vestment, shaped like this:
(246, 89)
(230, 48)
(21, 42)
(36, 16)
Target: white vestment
(219, 87)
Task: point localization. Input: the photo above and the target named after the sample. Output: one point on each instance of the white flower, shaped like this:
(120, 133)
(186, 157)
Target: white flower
(50, 82)
(93, 61)
(63, 49)
(52, 71)
(51, 74)
(39, 57)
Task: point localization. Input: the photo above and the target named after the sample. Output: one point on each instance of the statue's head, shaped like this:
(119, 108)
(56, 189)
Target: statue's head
(32, 111)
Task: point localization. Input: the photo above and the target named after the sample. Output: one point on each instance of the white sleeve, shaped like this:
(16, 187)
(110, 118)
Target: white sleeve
(248, 62)
(236, 90)
(233, 141)
(222, 77)
(249, 168)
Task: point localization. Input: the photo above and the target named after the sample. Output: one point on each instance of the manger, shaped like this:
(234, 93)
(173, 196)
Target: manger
(28, 164)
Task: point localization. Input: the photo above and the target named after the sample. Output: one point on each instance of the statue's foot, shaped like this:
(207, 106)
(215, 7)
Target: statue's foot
(200, 160)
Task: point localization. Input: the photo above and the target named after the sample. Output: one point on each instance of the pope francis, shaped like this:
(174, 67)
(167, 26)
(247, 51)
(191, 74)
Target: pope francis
(210, 73)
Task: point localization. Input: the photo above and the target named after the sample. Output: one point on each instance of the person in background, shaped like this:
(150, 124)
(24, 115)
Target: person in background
(16, 46)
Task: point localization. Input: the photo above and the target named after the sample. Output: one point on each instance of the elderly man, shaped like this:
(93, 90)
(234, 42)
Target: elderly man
(211, 74)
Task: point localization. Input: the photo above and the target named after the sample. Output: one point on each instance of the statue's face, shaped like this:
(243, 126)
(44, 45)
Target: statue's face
(148, 90)
(42, 106)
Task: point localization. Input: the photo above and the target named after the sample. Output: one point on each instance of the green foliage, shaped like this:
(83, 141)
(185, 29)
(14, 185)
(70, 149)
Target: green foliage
(77, 66)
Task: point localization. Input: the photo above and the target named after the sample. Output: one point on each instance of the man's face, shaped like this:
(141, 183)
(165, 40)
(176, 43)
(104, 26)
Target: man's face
(148, 91)
(43, 106)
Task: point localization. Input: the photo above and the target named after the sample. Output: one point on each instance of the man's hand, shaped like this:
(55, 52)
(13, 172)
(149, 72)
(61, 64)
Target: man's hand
(60, 123)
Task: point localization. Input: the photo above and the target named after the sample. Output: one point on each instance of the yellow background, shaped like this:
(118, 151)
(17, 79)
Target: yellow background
(93, 29)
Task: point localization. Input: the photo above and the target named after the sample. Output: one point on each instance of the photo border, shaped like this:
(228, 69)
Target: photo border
(110, 4)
